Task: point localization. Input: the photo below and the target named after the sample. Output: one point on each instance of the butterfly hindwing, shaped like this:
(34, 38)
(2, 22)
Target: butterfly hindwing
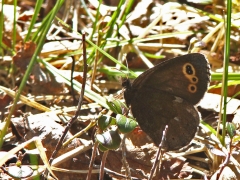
(180, 116)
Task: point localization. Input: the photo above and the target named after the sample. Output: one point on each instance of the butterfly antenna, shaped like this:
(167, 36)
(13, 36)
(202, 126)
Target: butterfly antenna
(126, 74)
(127, 69)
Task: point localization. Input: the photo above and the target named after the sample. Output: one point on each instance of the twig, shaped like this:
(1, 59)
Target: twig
(90, 125)
(224, 164)
(71, 80)
(59, 144)
(101, 173)
(92, 160)
(160, 153)
(124, 159)
(113, 173)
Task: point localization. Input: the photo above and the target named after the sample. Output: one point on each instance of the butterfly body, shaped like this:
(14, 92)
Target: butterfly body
(166, 95)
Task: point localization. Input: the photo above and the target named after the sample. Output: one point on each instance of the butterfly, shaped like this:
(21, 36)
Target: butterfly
(166, 95)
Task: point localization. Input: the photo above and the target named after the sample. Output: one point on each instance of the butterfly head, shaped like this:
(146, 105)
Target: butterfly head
(126, 84)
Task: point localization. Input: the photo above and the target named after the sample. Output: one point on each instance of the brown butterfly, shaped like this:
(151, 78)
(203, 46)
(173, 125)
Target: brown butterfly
(166, 95)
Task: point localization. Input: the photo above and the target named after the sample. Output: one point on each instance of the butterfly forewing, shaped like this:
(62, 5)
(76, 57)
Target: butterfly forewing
(172, 76)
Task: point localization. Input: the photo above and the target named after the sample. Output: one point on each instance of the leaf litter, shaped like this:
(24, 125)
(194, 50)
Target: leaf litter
(62, 46)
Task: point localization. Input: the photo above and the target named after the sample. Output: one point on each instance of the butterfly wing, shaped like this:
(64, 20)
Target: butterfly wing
(166, 95)
(186, 76)
(154, 110)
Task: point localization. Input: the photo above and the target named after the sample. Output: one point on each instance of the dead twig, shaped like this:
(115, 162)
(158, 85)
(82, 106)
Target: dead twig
(159, 155)
(92, 161)
(60, 142)
(103, 162)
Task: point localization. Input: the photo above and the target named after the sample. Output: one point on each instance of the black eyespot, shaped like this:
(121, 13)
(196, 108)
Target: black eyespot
(192, 88)
(194, 79)
(189, 70)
